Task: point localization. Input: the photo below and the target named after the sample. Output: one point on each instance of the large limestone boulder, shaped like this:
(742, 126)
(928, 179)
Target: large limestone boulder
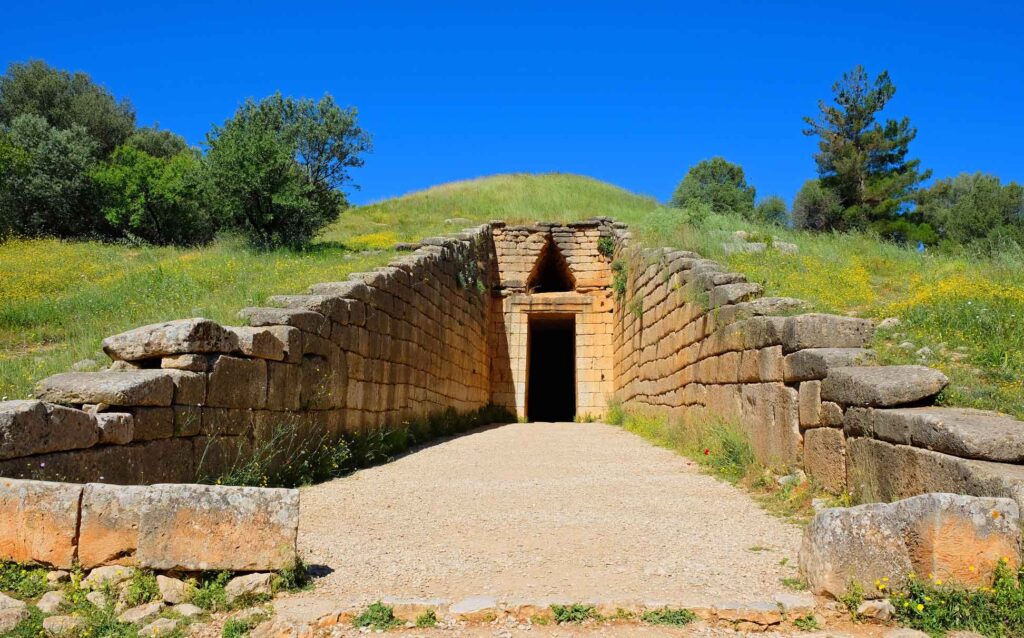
(208, 527)
(962, 432)
(39, 522)
(34, 427)
(112, 387)
(954, 537)
(881, 386)
(814, 363)
(183, 336)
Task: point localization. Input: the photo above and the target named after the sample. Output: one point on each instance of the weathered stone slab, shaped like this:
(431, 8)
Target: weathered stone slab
(115, 428)
(813, 363)
(39, 522)
(237, 383)
(276, 343)
(825, 458)
(183, 336)
(881, 386)
(110, 524)
(825, 331)
(957, 538)
(34, 427)
(880, 471)
(113, 387)
(204, 527)
(969, 434)
(304, 320)
(190, 362)
(728, 294)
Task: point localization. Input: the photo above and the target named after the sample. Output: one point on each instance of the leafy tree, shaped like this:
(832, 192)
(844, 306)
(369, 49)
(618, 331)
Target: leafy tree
(280, 163)
(975, 210)
(772, 210)
(718, 183)
(155, 199)
(862, 161)
(157, 142)
(45, 187)
(65, 100)
(816, 207)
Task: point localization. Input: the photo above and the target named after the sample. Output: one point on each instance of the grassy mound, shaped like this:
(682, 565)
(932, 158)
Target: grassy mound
(61, 298)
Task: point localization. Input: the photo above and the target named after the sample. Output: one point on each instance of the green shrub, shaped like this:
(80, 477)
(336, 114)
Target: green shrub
(772, 210)
(852, 599)
(606, 246)
(575, 613)
(717, 184)
(816, 207)
(937, 608)
(22, 582)
(377, 616)
(278, 166)
(156, 200)
(141, 588)
(209, 592)
(807, 623)
(426, 619)
(620, 278)
(238, 628)
(668, 616)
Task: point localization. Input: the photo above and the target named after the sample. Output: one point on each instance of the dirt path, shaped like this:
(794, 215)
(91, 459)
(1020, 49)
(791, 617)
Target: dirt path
(543, 512)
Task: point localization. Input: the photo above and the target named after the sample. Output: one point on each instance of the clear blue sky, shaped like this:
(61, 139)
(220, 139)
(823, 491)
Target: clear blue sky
(629, 92)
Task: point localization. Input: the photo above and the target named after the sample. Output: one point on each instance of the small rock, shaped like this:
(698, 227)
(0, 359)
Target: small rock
(57, 576)
(924, 352)
(189, 611)
(819, 504)
(888, 322)
(903, 632)
(85, 365)
(98, 599)
(906, 345)
(741, 235)
(248, 585)
(141, 613)
(876, 609)
(172, 590)
(51, 601)
(112, 574)
(12, 612)
(786, 248)
(160, 627)
(62, 625)
(796, 478)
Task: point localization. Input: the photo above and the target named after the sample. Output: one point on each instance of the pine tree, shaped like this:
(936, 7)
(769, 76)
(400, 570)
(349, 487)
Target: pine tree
(864, 162)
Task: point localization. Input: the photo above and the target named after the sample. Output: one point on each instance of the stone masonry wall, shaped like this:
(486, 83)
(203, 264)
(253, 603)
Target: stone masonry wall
(186, 399)
(696, 342)
(520, 252)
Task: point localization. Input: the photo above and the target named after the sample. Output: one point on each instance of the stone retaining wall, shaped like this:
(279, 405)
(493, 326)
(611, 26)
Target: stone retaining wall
(164, 527)
(187, 399)
(696, 342)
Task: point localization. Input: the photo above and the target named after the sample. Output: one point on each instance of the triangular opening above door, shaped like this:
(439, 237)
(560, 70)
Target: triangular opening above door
(551, 272)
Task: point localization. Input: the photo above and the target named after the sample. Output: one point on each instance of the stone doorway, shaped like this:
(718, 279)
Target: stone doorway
(551, 365)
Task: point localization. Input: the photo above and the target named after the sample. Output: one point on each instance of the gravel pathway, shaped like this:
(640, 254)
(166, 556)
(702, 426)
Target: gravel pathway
(543, 512)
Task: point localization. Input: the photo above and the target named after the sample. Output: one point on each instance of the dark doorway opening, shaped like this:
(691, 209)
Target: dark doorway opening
(551, 361)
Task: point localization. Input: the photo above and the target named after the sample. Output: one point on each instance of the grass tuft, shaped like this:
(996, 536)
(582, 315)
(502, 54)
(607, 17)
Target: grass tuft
(574, 613)
(668, 616)
(377, 616)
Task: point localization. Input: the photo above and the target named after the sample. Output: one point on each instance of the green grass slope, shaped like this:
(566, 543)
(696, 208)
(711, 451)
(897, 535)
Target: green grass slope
(59, 299)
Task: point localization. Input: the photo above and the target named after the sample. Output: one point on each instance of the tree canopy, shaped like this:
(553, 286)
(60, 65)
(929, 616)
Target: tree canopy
(974, 210)
(278, 166)
(717, 183)
(864, 161)
(65, 100)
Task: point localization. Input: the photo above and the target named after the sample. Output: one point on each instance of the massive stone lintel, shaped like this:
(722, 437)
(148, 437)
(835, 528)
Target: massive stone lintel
(34, 427)
(881, 386)
(182, 336)
(112, 387)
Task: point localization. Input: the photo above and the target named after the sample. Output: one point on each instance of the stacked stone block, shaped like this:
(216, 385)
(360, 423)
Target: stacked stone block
(519, 252)
(187, 399)
(698, 343)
